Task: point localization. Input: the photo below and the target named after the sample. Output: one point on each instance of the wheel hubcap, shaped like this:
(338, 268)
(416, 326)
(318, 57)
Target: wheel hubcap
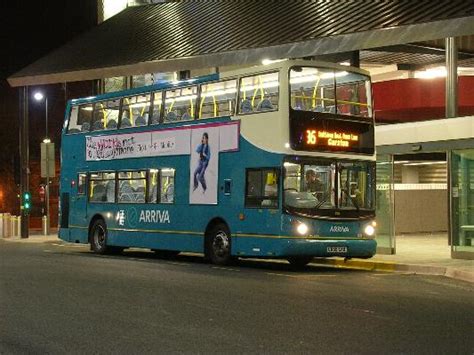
(99, 237)
(220, 244)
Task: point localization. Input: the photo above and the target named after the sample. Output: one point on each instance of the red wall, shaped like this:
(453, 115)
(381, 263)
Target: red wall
(419, 99)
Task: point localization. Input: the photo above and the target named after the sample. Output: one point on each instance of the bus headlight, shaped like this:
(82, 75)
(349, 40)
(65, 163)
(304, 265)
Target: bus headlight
(369, 230)
(302, 229)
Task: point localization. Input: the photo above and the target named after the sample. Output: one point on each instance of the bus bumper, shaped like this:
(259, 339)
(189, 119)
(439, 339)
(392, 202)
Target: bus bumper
(317, 247)
(353, 248)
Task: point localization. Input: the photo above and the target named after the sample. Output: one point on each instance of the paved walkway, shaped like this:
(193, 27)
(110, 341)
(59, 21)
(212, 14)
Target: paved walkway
(422, 254)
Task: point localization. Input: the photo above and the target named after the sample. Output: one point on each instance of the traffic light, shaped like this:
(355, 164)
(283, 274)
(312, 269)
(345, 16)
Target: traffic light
(26, 201)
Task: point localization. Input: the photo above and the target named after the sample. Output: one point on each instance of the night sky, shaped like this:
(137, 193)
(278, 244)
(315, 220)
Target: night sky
(28, 31)
(31, 29)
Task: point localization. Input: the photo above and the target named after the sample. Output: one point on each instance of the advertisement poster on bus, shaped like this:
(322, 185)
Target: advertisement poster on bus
(204, 165)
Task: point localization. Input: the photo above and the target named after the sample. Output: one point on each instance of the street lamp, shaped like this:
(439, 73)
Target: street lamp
(38, 96)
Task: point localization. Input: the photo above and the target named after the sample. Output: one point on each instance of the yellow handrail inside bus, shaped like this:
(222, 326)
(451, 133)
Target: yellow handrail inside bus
(259, 87)
(313, 102)
(130, 111)
(104, 113)
(192, 105)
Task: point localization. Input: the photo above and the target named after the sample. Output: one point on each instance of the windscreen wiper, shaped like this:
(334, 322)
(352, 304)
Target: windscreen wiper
(323, 200)
(353, 200)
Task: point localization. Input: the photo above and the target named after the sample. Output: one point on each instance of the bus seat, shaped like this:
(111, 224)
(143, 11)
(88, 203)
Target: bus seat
(110, 191)
(186, 116)
(125, 123)
(139, 193)
(168, 196)
(155, 119)
(140, 121)
(171, 116)
(112, 124)
(246, 106)
(331, 109)
(99, 194)
(86, 126)
(97, 126)
(154, 193)
(126, 193)
(265, 105)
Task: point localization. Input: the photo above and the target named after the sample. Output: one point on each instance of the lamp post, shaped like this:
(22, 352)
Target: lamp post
(39, 97)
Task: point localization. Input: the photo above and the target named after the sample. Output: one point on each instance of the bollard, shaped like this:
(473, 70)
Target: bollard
(13, 226)
(6, 225)
(45, 225)
(1, 224)
(14, 222)
(18, 226)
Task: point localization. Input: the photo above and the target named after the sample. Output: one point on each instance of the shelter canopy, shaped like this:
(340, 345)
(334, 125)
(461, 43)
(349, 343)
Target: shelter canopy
(196, 34)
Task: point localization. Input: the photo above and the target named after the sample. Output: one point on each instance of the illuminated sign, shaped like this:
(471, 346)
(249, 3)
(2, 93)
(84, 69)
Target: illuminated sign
(320, 132)
(331, 139)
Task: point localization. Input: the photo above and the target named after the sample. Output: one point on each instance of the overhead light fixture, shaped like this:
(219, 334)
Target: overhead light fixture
(271, 61)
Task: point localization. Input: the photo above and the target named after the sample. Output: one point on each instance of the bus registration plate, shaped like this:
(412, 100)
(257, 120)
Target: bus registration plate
(337, 249)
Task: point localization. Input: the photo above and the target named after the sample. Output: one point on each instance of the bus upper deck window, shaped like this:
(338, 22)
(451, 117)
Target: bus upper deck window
(105, 115)
(135, 111)
(353, 94)
(80, 118)
(312, 89)
(259, 93)
(218, 99)
(180, 104)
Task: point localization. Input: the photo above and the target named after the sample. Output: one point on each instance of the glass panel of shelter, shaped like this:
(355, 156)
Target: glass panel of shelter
(384, 207)
(462, 203)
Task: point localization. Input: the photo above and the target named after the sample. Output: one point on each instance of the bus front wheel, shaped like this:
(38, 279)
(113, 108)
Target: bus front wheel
(299, 261)
(98, 237)
(218, 245)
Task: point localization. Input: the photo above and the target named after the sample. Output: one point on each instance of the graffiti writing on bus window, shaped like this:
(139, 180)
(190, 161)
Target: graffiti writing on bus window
(128, 146)
(161, 142)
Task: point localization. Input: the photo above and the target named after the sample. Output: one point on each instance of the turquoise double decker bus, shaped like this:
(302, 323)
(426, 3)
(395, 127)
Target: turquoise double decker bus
(274, 161)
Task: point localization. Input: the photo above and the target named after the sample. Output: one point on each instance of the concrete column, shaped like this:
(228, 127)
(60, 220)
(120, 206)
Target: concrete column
(451, 78)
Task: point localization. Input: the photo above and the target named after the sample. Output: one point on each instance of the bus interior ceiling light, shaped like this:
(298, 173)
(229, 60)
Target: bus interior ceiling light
(267, 61)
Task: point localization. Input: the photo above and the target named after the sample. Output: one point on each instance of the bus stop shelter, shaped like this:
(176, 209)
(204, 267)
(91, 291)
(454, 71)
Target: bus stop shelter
(177, 36)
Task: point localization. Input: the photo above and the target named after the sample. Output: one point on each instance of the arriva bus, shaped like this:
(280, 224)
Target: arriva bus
(274, 161)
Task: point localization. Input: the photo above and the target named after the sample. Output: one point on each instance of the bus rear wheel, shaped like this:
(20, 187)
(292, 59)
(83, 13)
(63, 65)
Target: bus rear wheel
(299, 262)
(98, 237)
(218, 245)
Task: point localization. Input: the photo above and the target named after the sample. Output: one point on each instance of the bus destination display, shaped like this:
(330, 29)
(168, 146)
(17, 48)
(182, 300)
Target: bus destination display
(331, 139)
(315, 133)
